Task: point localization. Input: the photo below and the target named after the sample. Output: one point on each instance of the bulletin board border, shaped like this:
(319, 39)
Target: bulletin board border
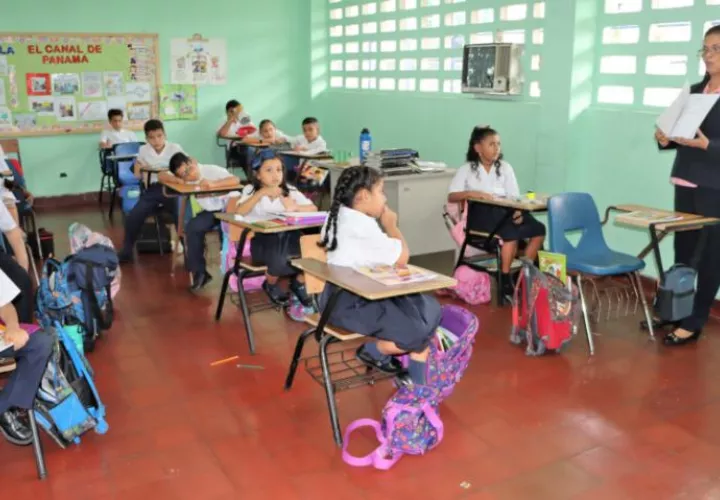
(134, 125)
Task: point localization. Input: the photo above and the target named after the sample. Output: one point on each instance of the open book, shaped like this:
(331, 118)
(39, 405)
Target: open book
(683, 117)
(653, 217)
(396, 275)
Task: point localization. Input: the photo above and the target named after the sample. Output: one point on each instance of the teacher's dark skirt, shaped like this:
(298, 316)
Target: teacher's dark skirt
(409, 321)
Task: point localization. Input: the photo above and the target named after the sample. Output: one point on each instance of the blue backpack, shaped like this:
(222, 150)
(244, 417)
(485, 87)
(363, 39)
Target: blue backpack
(77, 291)
(67, 403)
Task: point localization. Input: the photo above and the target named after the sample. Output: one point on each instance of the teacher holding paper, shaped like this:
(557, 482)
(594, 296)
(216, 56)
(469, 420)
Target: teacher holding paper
(696, 176)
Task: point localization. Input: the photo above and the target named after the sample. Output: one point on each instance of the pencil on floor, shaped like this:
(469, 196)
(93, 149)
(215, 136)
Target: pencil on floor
(223, 361)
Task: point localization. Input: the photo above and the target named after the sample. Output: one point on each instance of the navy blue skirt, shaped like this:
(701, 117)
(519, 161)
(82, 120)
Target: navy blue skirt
(409, 321)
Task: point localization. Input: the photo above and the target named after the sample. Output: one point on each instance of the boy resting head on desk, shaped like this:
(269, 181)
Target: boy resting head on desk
(353, 238)
(186, 170)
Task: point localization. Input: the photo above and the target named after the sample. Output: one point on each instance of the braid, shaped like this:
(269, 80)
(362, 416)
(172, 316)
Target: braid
(351, 181)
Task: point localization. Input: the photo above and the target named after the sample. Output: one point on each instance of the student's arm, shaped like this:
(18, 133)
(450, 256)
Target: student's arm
(457, 193)
(388, 220)
(247, 202)
(169, 177)
(224, 182)
(17, 242)
(298, 202)
(139, 163)
(224, 131)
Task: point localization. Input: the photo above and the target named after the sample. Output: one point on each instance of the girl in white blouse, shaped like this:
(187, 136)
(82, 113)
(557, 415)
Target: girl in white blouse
(487, 175)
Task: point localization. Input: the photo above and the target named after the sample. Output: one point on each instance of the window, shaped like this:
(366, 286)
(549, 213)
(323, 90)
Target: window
(416, 45)
(651, 45)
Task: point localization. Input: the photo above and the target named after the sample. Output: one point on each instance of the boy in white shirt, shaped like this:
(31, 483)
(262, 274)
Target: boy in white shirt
(115, 133)
(156, 153)
(311, 141)
(237, 122)
(188, 171)
(31, 353)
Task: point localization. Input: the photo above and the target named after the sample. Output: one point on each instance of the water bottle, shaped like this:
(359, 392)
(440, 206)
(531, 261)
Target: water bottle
(365, 144)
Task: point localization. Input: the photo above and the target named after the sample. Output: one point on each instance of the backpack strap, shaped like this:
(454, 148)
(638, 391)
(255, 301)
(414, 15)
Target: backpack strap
(377, 458)
(104, 319)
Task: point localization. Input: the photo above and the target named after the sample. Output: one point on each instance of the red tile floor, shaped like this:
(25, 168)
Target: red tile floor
(636, 421)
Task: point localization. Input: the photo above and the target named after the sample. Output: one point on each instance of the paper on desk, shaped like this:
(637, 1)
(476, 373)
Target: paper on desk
(683, 117)
(251, 219)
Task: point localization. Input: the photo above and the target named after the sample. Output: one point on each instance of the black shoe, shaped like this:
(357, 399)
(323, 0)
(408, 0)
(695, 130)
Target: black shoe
(276, 294)
(199, 281)
(403, 380)
(14, 429)
(301, 293)
(386, 365)
(672, 340)
(125, 257)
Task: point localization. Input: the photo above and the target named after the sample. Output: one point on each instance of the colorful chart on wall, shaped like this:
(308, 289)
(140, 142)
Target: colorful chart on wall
(58, 83)
(198, 61)
(178, 102)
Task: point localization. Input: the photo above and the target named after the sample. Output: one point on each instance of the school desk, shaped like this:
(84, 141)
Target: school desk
(658, 225)
(347, 280)
(490, 239)
(149, 171)
(185, 191)
(303, 155)
(244, 268)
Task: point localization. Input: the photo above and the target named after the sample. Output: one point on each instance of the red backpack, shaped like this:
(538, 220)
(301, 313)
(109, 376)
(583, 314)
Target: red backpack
(545, 311)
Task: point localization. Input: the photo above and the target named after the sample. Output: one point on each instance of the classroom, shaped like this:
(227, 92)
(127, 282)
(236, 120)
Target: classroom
(442, 249)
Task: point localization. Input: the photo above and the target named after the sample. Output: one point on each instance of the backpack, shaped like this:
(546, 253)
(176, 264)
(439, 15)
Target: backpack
(67, 403)
(228, 253)
(81, 236)
(676, 293)
(473, 287)
(77, 291)
(410, 426)
(549, 318)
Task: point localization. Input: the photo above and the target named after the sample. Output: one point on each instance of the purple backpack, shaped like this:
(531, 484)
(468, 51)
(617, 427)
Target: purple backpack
(410, 426)
(228, 252)
(415, 426)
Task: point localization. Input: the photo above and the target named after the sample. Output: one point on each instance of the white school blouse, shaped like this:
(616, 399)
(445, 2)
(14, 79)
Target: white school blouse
(361, 242)
(267, 206)
(152, 158)
(213, 173)
(502, 183)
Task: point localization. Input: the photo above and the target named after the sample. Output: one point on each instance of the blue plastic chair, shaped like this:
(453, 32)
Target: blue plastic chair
(591, 256)
(122, 171)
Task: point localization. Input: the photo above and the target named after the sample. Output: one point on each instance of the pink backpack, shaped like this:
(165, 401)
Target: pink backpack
(473, 287)
(227, 260)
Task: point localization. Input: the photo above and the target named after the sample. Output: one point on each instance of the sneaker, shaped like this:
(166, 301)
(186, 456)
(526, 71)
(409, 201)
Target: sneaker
(276, 294)
(300, 292)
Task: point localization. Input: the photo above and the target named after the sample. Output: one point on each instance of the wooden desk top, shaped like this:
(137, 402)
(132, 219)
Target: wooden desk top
(537, 205)
(187, 189)
(309, 156)
(154, 170)
(256, 228)
(121, 157)
(352, 281)
(686, 221)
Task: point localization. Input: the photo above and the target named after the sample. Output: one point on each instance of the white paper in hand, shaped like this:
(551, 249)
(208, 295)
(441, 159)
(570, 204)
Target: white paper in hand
(683, 117)
(667, 120)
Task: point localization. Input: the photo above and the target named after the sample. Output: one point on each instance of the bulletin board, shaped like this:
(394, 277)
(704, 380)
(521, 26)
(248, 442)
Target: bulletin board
(64, 83)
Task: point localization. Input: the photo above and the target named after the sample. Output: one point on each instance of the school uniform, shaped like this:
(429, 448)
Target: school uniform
(112, 136)
(204, 221)
(500, 181)
(409, 321)
(274, 250)
(292, 163)
(152, 198)
(21, 387)
(23, 302)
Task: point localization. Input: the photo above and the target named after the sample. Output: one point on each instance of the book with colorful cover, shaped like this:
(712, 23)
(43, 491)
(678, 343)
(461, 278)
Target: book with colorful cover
(396, 275)
(300, 218)
(553, 263)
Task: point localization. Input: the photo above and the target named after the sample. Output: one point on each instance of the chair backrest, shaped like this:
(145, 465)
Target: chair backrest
(575, 212)
(126, 176)
(309, 249)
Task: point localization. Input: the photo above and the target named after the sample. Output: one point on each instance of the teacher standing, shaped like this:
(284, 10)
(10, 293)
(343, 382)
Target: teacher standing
(696, 176)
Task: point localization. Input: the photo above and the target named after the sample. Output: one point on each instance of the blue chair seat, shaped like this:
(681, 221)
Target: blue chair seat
(609, 263)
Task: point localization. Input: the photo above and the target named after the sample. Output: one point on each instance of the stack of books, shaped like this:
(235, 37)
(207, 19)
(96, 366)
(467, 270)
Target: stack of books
(393, 161)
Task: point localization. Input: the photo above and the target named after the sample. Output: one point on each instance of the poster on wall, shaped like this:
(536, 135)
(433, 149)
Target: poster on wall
(178, 102)
(198, 61)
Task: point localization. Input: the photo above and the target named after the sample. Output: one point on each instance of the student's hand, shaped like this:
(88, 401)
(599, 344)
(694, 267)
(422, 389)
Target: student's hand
(700, 141)
(205, 184)
(388, 218)
(481, 195)
(289, 204)
(661, 138)
(518, 217)
(16, 336)
(271, 192)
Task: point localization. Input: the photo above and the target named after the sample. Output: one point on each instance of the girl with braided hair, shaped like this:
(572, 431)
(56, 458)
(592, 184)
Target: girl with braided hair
(269, 194)
(361, 230)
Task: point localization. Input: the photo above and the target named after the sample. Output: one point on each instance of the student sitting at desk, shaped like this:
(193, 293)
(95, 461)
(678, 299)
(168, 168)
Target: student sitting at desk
(188, 171)
(486, 175)
(267, 134)
(270, 194)
(115, 133)
(156, 153)
(353, 238)
(310, 141)
(237, 122)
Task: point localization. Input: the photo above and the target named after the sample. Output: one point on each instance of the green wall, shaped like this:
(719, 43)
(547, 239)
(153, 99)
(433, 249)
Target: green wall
(268, 47)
